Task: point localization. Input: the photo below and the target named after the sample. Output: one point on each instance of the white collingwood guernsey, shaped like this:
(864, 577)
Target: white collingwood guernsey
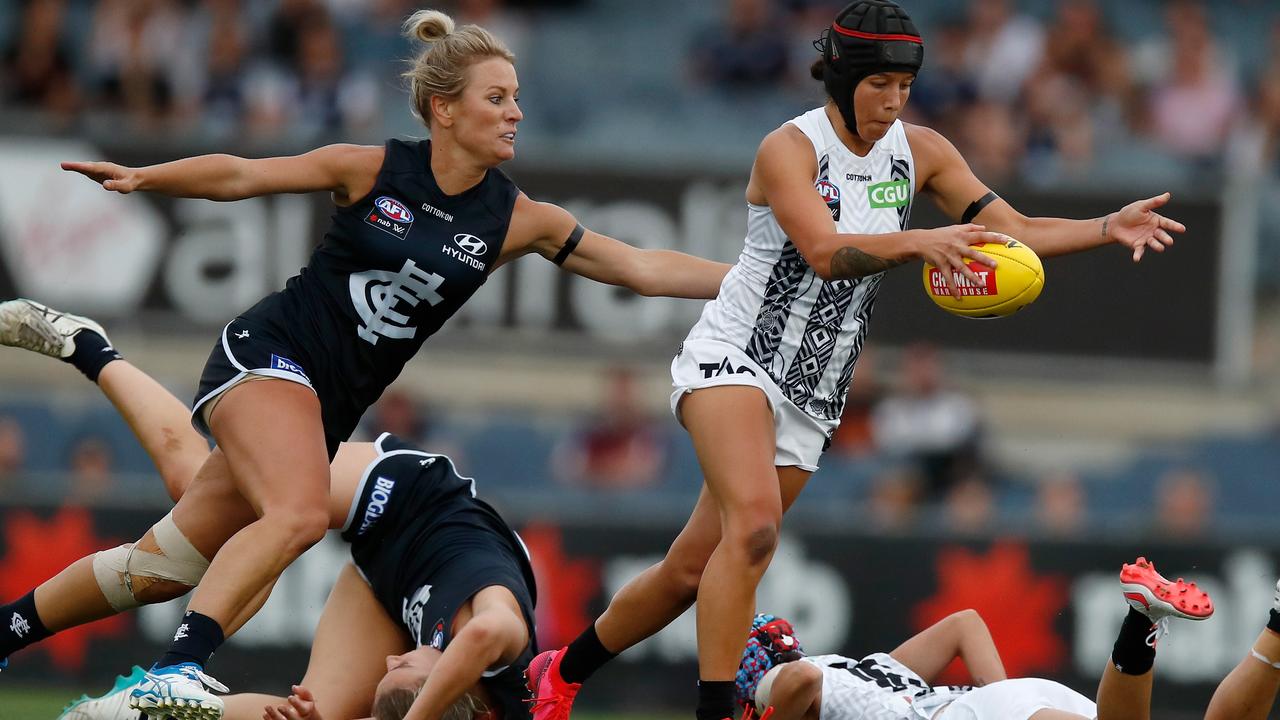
(776, 315)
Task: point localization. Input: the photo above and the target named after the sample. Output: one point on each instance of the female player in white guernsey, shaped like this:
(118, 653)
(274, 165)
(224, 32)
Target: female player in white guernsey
(417, 229)
(762, 378)
(776, 678)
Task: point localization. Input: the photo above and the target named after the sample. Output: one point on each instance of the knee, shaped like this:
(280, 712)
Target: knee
(684, 574)
(300, 528)
(755, 535)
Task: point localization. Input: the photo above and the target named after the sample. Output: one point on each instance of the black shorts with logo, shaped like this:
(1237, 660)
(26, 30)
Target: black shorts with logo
(426, 545)
(251, 348)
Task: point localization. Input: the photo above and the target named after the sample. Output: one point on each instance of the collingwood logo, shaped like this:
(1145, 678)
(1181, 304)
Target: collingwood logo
(376, 293)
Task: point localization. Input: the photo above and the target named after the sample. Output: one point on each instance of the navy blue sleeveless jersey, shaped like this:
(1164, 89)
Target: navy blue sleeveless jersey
(393, 267)
(426, 544)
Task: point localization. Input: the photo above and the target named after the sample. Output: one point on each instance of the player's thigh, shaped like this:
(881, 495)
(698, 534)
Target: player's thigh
(273, 437)
(1056, 715)
(733, 435)
(349, 653)
(212, 508)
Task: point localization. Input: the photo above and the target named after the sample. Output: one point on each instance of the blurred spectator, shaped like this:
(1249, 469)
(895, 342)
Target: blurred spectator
(397, 413)
(621, 449)
(1060, 505)
(743, 51)
(895, 500)
(1060, 143)
(942, 91)
(1002, 49)
(493, 16)
(969, 506)
(285, 27)
(936, 428)
(37, 66)
(1079, 46)
(212, 89)
(1194, 95)
(855, 437)
(92, 462)
(1268, 101)
(991, 140)
(13, 451)
(1184, 504)
(329, 99)
(133, 50)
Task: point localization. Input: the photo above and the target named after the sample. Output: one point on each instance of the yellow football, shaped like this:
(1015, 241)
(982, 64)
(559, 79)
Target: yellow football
(1014, 284)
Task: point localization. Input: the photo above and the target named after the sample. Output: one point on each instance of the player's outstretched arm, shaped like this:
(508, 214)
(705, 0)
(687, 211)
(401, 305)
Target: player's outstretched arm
(963, 635)
(348, 171)
(553, 232)
(495, 636)
(961, 195)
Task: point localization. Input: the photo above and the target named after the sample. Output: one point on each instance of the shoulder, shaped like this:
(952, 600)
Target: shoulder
(926, 142)
(788, 138)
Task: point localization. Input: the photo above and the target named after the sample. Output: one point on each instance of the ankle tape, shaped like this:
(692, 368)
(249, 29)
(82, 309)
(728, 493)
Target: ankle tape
(1264, 659)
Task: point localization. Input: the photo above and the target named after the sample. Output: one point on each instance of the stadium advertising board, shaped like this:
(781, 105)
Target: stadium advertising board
(1053, 608)
(71, 244)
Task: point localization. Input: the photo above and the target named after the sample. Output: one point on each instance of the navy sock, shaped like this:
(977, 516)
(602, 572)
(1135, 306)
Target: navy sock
(1131, 654)
(20, 626)
(585, 655)
(92, 353)
(1274, 623)
(715, 699)
(196, 639)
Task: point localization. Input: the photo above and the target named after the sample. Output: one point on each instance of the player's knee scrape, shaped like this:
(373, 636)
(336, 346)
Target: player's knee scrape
(126, 573)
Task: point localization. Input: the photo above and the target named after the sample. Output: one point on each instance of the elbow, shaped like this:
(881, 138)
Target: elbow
(487, 639)
(822, 264)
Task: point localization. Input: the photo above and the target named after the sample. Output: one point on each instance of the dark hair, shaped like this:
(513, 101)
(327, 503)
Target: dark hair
(815, 70)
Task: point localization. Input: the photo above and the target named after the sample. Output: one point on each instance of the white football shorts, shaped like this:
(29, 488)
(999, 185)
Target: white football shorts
(1017, 699)
(800, 438)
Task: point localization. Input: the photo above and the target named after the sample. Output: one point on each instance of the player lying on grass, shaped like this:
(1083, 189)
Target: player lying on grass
(433, 618)
(896, 686)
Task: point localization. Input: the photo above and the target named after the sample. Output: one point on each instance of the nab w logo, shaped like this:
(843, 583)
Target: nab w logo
(376, 295)
(710, 370)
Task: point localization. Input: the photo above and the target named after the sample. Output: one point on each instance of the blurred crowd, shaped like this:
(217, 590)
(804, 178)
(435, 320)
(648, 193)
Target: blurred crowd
(1044, 96)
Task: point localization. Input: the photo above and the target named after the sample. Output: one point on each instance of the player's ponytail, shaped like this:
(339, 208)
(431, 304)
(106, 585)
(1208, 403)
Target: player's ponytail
(441, 68)
(394, 704)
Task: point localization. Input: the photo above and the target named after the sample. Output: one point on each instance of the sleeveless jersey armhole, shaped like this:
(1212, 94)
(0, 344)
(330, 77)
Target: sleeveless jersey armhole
(386, 158)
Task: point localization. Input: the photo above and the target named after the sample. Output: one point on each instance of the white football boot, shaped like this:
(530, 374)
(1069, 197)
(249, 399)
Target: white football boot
(114, 705)
(32, 326)
(180, 692)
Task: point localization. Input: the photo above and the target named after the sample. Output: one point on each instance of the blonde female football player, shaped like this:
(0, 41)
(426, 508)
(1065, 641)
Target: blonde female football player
(775, 678)
(433, 616)
(762, 378)
(416, 230)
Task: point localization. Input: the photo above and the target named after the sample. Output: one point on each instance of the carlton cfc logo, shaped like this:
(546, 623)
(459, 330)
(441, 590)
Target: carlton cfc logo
(394, 209)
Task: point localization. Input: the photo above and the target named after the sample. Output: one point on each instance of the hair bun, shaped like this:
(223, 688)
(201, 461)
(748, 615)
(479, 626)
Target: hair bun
(429, 26)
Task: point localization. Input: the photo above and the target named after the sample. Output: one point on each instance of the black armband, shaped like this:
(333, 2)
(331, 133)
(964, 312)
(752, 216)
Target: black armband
(570, 245)
(977, 206)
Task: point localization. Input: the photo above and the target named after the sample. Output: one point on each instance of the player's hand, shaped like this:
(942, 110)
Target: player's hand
(950, 249)
(1138, 226)
(111, 176)
(301, 706)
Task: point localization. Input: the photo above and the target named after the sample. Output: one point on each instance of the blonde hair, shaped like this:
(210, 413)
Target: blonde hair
(441, 69)
(395, 704)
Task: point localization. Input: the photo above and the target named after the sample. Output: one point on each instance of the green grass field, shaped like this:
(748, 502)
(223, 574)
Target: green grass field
(27, 704)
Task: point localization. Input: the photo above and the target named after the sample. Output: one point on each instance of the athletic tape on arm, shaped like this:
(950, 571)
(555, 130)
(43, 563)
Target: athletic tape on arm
(178, 561)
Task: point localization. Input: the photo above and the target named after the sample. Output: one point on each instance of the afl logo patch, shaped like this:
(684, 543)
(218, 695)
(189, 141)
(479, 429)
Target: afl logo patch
(831, 196)
(470, 243)
(394, 209)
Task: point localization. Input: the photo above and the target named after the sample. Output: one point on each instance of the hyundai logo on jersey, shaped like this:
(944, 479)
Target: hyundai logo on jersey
(470, 243)
(390, 215)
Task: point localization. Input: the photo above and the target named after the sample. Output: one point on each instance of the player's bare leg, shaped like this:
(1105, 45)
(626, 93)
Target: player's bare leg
(352, 641)
(737, 464)
(1124, 692)
(1248, 692)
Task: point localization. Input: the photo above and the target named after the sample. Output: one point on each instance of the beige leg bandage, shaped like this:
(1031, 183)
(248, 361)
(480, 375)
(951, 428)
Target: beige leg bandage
(177, 561)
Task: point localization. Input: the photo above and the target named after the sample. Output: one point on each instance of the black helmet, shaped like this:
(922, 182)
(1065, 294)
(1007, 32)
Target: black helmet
(867, 37)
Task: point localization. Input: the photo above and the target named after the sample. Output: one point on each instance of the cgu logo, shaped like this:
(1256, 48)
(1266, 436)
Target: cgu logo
(394, 209)
(892, 194)
(470, 243)
(986, 286)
